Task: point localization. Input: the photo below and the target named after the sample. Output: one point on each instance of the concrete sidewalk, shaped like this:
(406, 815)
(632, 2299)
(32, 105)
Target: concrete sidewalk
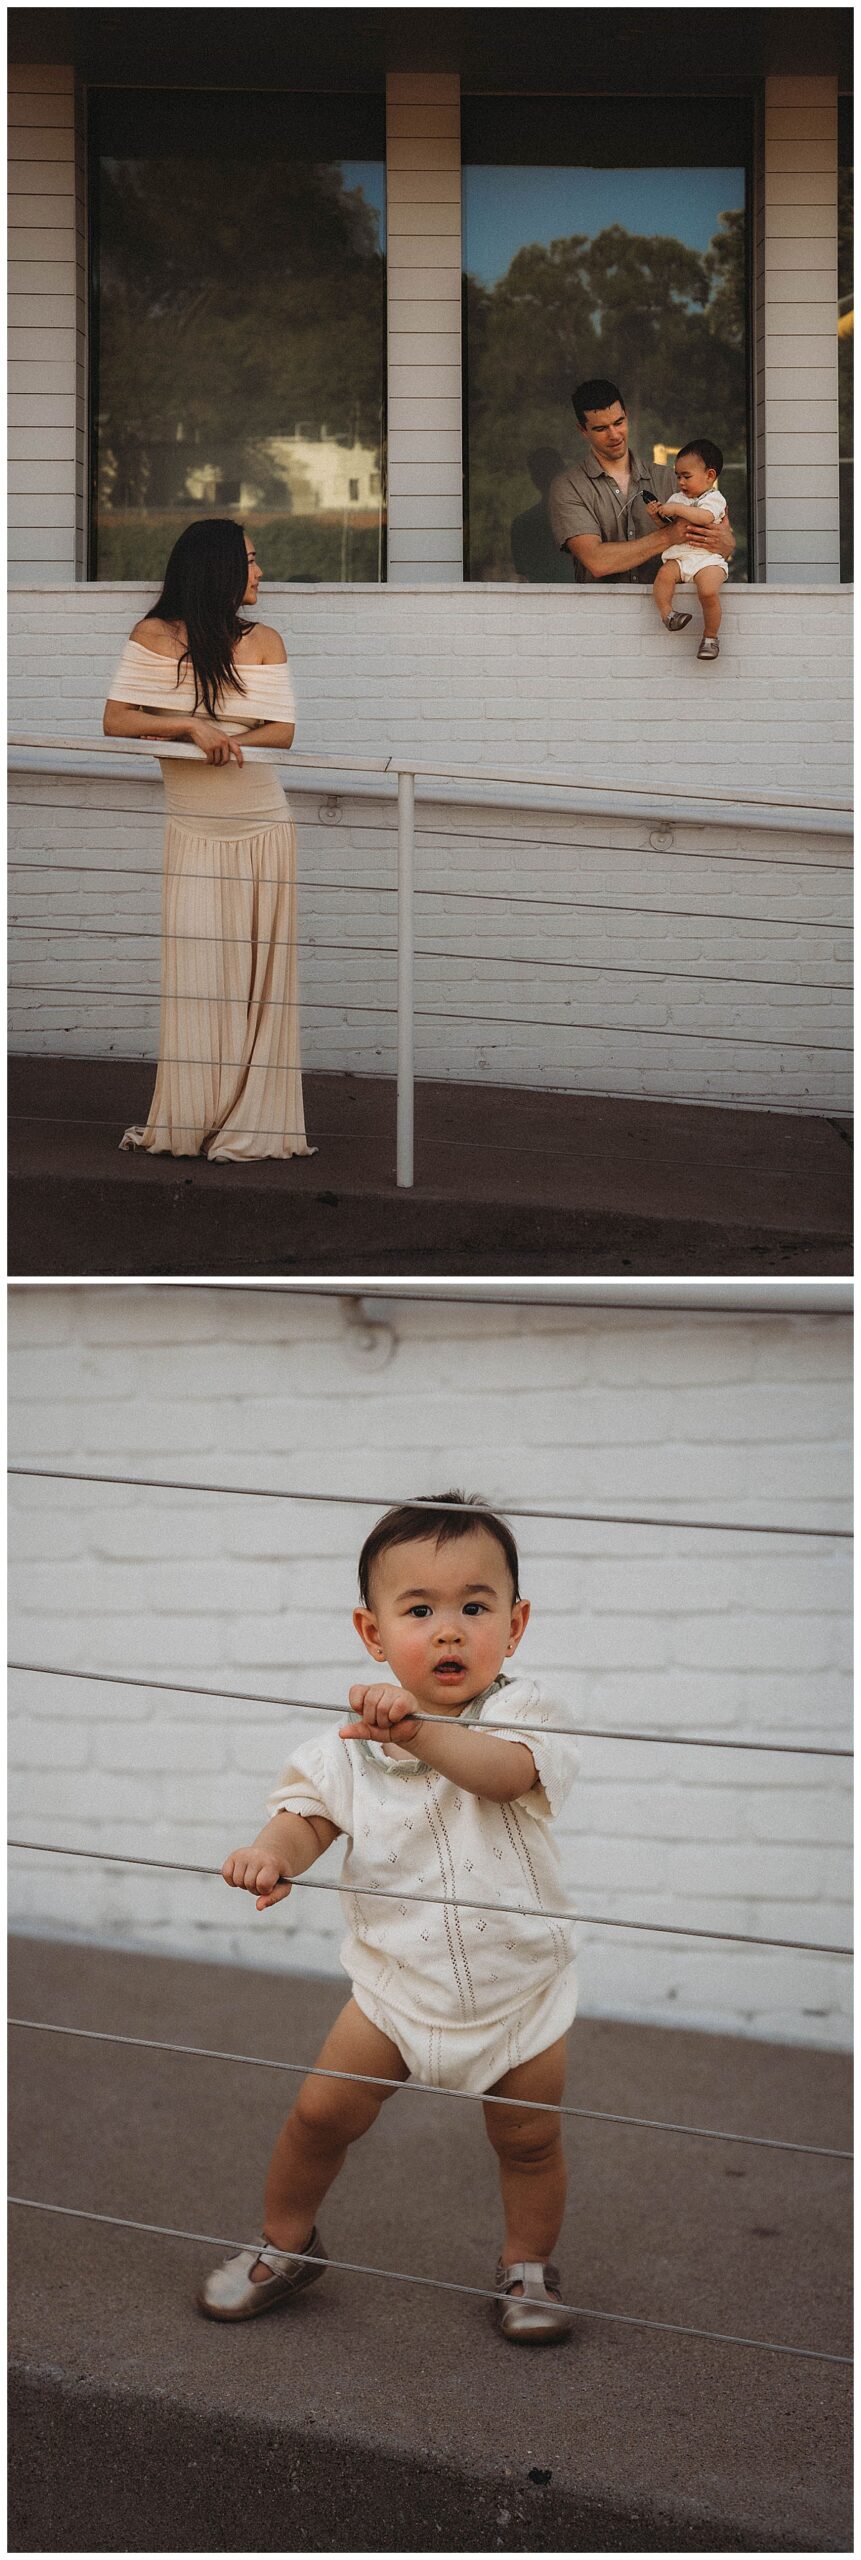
(381, 2416)
(507, 1181)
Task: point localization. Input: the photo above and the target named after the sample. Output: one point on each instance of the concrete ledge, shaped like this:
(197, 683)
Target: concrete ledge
(376, 2416)
(508, 1181)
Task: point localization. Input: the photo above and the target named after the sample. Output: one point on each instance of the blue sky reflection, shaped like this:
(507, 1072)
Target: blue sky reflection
(510, 209)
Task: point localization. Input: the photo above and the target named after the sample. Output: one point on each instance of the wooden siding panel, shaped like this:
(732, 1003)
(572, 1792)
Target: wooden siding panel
(45, 250)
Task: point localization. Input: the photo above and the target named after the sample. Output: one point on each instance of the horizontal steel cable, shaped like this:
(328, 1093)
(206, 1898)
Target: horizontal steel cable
(439, 841)
(388, 1502)
(583, 906)
(346, 1004)
(429, 2088)
(506, 897)
(578, 1093)
(433, 2284)
(439, 838)
(535, 1295)
(318, 1706)
(199, 1152)
(388, 951)
(219, 996)
(445, 1901)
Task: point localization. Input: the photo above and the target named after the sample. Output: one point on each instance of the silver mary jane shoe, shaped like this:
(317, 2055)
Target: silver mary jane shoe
(536, 2315)
(230, 2294)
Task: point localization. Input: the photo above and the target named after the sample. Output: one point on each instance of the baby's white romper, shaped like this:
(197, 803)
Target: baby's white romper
(712, 505)
(464, 1992)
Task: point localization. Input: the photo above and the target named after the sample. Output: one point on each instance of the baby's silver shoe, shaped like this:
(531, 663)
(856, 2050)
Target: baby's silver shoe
(536, 2315)
(230, 2294)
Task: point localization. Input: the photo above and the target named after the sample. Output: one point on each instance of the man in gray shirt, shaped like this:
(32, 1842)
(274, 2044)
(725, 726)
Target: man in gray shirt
(597, 510)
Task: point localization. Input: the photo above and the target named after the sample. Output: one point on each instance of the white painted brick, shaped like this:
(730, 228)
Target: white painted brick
(233, 1593)
(353, 652)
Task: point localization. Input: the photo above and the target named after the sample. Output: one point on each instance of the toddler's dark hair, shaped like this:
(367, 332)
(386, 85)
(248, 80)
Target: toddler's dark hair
(443, 1517)
(709, 453)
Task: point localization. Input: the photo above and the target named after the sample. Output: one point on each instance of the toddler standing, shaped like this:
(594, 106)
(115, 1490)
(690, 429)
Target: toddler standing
(697, 467)
(464, 1998)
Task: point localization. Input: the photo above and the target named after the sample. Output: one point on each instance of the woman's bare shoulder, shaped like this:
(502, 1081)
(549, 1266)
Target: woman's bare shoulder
(159, 637)
(268, 646)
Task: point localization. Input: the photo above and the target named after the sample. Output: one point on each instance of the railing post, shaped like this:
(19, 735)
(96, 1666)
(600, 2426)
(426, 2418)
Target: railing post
(406, 936)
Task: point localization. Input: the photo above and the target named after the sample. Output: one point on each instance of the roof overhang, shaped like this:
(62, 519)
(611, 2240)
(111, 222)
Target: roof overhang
(494, 50)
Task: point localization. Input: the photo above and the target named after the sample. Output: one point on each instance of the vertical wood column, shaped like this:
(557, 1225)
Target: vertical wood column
(423, 230)
(46, 355)
(798, 326)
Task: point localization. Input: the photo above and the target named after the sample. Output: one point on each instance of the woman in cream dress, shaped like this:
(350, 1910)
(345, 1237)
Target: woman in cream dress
(228, 1083)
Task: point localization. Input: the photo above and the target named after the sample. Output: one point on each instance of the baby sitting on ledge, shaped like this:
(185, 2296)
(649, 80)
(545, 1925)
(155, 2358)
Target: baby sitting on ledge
(697, 467)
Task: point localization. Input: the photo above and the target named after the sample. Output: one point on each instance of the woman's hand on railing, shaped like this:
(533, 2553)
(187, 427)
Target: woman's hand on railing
(214, 742)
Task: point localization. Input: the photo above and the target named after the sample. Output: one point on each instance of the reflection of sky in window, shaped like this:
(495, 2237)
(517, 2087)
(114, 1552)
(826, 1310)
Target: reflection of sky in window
(370, 176)
(510, 209)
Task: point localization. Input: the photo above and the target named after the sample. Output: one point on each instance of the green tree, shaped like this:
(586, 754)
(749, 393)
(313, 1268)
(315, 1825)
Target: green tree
(234, 303)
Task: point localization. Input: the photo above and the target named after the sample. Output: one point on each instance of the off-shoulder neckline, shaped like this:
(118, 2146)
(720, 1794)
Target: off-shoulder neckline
(257, 666)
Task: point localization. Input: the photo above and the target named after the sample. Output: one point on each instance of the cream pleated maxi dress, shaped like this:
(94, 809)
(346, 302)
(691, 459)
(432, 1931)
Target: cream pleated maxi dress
(228, 1083)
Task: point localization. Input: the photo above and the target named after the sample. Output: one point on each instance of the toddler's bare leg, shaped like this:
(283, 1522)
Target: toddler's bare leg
(528, 2145)
(708, 583)
(664, 587)
(327, 2117)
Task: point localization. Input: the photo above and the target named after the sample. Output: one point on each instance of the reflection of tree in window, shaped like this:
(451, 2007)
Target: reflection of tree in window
(241, 314)
(664, 320)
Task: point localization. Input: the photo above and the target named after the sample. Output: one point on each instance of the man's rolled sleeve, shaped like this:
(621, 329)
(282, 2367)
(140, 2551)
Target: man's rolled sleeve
(569, 512)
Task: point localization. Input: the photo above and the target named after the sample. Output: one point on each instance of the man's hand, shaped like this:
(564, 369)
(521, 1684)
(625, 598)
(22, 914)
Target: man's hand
(382, 1715)
(712, 537)
(259, 1872)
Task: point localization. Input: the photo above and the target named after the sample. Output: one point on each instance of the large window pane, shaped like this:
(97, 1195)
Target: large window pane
(238, 328)
(596, 242)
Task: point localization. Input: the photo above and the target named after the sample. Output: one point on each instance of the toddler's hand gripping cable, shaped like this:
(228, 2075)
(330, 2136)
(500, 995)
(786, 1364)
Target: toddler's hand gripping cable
(445, 1901)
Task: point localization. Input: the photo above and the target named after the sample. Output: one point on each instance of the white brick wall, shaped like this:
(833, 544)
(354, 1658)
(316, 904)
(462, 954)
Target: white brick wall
(581, 682)
(742, 1416)
(554, 682)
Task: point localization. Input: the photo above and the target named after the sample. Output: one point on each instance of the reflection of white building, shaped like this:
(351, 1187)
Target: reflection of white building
(322, 473)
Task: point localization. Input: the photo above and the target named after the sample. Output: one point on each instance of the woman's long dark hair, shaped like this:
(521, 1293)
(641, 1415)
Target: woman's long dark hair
(204, 583)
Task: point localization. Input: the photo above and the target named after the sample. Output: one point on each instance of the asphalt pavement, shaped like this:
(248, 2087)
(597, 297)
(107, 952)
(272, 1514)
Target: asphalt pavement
(382, 2412)
(507, 1180)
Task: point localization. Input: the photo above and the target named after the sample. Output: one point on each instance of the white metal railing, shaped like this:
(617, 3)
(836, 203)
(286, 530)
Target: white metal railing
(699, 807)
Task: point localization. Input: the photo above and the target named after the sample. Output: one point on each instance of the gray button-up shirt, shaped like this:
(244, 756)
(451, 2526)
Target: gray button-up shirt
(586, 499)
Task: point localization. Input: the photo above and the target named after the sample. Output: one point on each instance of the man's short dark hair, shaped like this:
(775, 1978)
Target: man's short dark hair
(444, 1517)
(597, 394)
(708, 452)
